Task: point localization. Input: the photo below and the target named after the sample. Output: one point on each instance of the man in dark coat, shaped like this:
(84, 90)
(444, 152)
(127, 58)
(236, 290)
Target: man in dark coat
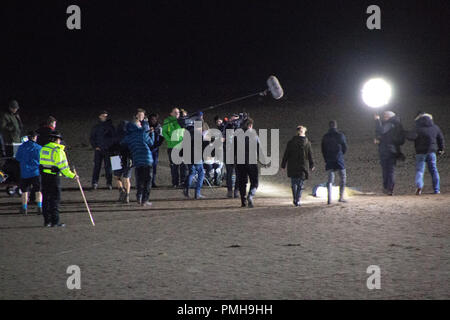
(389, 137)
(11, 126)
(247, 154)
(334, 146)
(44, 131)
(428, 140)
(122, 176)
(298, 151)
(102, 140)
(159, 139)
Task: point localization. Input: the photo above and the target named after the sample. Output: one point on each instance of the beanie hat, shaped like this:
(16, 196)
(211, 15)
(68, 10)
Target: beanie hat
(14, 104)
(390, 114)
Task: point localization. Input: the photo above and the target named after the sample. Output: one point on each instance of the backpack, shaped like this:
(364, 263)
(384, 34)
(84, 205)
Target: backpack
(398, 134)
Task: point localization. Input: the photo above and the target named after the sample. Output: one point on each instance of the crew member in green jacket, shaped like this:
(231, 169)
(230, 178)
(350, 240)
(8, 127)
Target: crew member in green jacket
(173, 134)
(11, 124)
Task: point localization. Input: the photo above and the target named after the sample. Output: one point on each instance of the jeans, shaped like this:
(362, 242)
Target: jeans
(231, 183)
(430, 160)
(195, 169)
(342, 180)
(388, 168)
(99, 157)
(177, 171)
(143, 183)
(297, 187)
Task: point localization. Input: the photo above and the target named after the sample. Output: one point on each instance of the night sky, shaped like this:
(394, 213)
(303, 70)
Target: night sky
(145, 51)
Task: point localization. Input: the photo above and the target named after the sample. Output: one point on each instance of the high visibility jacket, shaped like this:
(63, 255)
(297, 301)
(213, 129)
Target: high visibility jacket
(170, 127)
(54, 161)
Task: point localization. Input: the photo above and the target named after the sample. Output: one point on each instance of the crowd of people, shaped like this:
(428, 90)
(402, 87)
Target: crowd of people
(135, 143)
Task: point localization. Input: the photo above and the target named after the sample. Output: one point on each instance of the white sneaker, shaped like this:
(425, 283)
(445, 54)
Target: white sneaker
(147, 204)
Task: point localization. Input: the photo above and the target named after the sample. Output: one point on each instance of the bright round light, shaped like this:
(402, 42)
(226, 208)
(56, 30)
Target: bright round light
(376, 93)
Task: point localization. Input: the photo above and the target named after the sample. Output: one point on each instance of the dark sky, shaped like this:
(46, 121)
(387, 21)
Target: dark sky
(170, 50)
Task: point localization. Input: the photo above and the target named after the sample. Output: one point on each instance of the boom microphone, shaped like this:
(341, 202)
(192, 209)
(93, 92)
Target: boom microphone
(275, 88)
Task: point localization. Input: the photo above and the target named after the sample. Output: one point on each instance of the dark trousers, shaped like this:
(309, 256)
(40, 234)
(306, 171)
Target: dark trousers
(51, 197)
(231, 168)
(99, 157)
(388, 168)
(244, 172)
(178, 171)
(155, 155)
(143, 183)
(212, 172)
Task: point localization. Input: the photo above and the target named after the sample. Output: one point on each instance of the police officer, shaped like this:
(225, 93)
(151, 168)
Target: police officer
(53, 163)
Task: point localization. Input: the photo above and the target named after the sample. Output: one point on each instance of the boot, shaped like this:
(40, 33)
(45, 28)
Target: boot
(243, 202)
(186, 192)
(251, 194)
(330, 192)
(122, 195)
(294, 195)
(250, 201)
(230, 194)
(298, 196)
(127, 198)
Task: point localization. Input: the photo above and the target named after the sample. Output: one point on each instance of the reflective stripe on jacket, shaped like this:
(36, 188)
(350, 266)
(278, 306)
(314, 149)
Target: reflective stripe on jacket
(53, 157)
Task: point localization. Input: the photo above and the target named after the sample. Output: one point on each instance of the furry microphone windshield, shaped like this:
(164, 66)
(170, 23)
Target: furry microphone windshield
(275, 88)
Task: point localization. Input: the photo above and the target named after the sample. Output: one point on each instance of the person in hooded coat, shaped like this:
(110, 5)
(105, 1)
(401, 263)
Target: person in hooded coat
(428, 141)
(298, 152)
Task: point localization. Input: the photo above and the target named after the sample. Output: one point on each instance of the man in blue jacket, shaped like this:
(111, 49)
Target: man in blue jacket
(139, 143)
(334, 146)
(102, 140)
(428, 140)
(28, 157)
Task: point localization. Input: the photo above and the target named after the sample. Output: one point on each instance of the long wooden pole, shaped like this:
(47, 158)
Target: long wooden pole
(84, 197)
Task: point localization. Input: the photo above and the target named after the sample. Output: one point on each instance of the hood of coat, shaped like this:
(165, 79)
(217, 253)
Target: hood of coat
(30, 146)
(424, 121)
(394, 120)
(107, 122)
(131, 127)
(300, 141)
